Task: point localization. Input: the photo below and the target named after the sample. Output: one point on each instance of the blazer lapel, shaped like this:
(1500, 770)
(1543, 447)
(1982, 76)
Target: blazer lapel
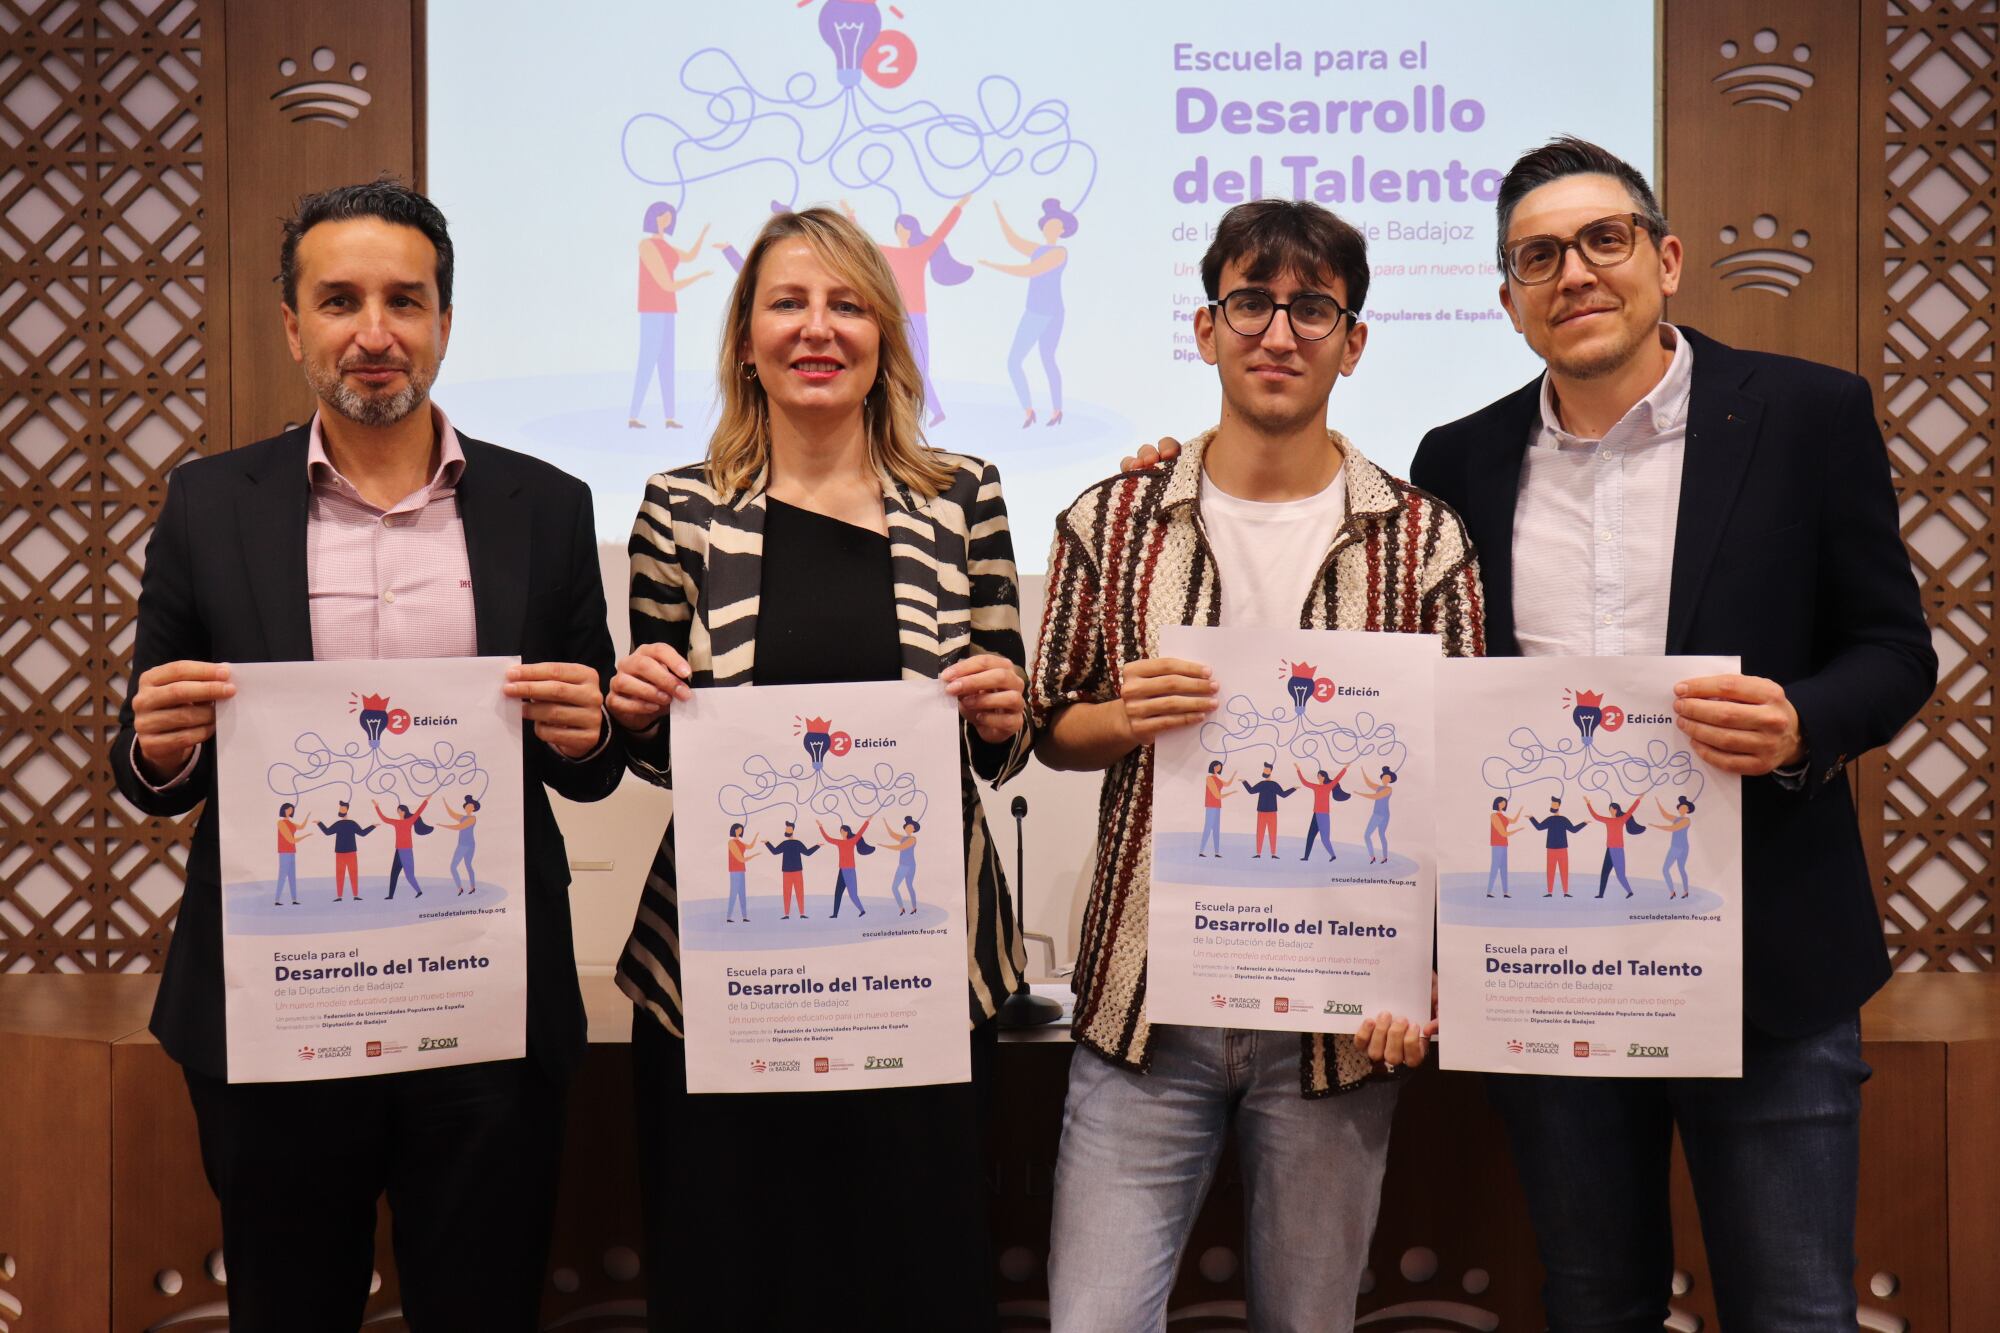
(1493, 487)
(272, 522)
(733, 578)
(1721, 436)
(495, 511)
(913, 564)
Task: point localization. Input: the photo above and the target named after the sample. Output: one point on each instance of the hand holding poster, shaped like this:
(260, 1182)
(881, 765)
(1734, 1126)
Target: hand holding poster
(1557, 766)
(802, 815)
(1292, 865)
(370, 779)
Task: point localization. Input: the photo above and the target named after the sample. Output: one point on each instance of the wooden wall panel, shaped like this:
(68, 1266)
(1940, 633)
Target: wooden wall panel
(114, 353)
(1759, 172)
(321, 96)
(1929, 138)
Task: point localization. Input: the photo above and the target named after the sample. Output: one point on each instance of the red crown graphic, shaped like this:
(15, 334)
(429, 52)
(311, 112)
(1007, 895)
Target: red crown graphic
(378, 701)
(1588, 699)
(1304, 669)
(818, 723)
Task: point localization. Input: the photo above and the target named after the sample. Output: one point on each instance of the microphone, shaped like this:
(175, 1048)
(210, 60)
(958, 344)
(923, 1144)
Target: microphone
(1025, 1009)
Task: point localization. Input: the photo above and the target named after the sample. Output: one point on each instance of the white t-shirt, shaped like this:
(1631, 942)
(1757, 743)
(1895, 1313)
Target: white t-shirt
(1268, 554)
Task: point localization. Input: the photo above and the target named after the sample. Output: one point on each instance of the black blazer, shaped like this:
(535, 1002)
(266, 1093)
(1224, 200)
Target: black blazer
(1787, 552)
(225, 581)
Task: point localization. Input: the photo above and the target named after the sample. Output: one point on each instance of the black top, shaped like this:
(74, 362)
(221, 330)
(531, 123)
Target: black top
(827, 603)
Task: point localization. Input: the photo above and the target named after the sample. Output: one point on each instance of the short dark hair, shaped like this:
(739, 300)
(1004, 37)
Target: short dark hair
(1499, 801)
(1274, 236)
(386, 198)
(1571, 156)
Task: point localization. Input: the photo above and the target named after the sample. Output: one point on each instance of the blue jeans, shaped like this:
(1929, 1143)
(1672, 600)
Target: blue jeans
(1211, 828)
(288, 873)
(1774, 1157)
(1377, 823)
(1036, 330)
(1498, 870)
(1320, 828)
(1138, 1153)
(738, 880)
(1614, 860)
(906, 873)
(656, 357)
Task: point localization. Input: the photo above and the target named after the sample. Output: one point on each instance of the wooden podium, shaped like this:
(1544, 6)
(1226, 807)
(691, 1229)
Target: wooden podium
(106, 1221)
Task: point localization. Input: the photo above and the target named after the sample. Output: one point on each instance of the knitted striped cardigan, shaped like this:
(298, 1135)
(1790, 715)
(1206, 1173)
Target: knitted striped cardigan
(1131, 556)
(697, 570)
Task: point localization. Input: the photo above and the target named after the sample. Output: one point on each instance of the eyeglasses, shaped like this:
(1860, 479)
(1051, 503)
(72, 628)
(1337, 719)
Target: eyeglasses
(1605, 243)
(1249, 311)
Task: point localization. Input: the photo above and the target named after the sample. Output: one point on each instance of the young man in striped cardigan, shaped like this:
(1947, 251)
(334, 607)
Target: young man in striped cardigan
(1271, 520)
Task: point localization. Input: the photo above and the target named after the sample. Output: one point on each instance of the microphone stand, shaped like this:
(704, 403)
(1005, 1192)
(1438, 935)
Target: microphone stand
(1026, 1010)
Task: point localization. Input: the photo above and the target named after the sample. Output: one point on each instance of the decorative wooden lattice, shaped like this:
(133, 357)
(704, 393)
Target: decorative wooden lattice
(109, 272)
(1930, 135)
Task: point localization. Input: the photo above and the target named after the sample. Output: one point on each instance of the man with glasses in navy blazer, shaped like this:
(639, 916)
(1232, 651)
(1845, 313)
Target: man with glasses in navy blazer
(1707, 500)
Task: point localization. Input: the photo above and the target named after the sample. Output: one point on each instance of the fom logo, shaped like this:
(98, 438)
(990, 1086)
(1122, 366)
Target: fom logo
(436, 1043)
(1636, 1051)
(883, 1062)
(1338, 1007)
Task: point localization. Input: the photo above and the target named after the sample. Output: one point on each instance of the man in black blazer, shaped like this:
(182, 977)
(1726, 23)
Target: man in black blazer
(275, 552)
(1694, 498)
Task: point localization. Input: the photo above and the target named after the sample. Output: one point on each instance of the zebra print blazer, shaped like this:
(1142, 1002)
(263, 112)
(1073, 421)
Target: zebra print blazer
(697, 566)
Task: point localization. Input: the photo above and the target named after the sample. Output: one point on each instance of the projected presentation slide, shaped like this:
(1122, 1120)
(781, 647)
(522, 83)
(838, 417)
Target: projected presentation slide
(1043, 178)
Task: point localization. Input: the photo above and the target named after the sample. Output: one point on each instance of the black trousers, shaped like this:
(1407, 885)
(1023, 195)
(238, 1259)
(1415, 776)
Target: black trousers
(813, 1210)
(469, 1156)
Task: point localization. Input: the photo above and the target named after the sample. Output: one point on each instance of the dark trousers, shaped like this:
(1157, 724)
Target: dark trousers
(813, 1210)
(1775, 1160)
(469, 1156)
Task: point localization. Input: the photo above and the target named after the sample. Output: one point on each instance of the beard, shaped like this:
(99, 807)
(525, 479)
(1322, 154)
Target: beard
(1605, 358)
(371, 409)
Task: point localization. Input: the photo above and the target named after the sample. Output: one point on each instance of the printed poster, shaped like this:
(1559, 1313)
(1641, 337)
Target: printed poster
(372, 873)
(1590, 873)
(820, 846)
(1292, 861)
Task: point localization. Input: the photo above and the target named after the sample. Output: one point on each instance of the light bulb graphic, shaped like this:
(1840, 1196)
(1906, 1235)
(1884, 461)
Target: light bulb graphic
(818, 736)
(374, 717)
(1587, 714)
(1300, 686)
(848, 27)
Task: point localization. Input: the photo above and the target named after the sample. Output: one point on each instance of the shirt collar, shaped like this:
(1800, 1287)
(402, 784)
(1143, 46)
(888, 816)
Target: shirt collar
(1371, 492)
(451, 459)
(1662, 410)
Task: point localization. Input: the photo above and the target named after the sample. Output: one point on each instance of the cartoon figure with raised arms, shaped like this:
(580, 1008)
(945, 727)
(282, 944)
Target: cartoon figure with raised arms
(1677, 846)
(405, 823)
(289, 833)
(467, 844)
(1268, 793)
(658, 303)
(1558, 829)
(1214, 791)
(1326, 791)
(905, 848)
(1616, 825)
(1501, 830)
(791, 854)
(1378, 820)
(848, 840)
(346, 866)
(1042, 321)
(740, 854)
(908, 258)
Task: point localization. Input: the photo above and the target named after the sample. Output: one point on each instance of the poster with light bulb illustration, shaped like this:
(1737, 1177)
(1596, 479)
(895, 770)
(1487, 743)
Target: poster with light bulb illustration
(820, 854)
(1589, 873)
(1291, 857)
(373, 911)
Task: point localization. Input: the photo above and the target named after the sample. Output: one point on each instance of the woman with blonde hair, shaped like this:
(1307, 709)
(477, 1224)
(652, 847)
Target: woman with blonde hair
(780, 560)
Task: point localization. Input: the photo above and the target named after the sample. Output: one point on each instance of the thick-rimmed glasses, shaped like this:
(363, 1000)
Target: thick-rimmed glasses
(1605, 243)
(1250, 310)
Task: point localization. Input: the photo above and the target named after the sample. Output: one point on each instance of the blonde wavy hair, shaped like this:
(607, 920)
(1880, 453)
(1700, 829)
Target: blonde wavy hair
(892, 414)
